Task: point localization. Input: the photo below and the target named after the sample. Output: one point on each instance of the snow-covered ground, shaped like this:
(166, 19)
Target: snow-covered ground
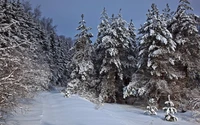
(52, 108)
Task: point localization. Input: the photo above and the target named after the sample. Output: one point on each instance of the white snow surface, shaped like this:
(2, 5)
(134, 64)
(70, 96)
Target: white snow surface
(52, 108)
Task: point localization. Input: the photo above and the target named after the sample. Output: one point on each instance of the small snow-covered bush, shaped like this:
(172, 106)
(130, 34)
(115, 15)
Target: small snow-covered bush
(151, 108)
(131, 90)
(170, 110)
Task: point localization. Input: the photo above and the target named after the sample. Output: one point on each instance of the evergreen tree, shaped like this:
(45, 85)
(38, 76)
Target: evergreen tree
(113, 47)
(167, 13)
(37, 13)
(102, 31)
(63, 58)
(26, 6)
(83, 68)
(185, 34)
(170, 110)
(155, 54)
(151, 108)
(131, 52)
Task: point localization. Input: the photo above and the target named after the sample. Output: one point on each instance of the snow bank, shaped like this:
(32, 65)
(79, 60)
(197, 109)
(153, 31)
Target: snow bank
(52, 108)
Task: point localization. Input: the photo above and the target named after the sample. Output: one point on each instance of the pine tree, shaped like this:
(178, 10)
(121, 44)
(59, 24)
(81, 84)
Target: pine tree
(83, 68)
(151, 108)
(63, 58)
(185, 34)
(155, 52)
(167, 15)
(170, 110)
(110, 65)
(114, 49)
(131, 52)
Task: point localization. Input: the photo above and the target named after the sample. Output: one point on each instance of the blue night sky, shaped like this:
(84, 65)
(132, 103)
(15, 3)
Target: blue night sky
(66, 13)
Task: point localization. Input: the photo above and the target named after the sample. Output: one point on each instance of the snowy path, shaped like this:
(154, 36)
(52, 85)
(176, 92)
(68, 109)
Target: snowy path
(51, 108)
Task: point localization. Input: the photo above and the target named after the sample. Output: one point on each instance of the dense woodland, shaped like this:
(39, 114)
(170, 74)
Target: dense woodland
(124, 67)
(32, 56)
(119, 67)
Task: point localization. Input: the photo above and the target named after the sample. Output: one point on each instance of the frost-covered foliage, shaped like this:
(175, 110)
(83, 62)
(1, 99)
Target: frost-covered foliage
(168, 54)
(156, 48)
(170, 110)
(25, 53)
(167, 15)
(56, 48)
(151, 108)
(22, 66)
(156, 44)
(59, 56)
(62, 57)
(81, 80)
(132, 53)
(185, 33)
(195, 104)
(133, 90)
(115, 40)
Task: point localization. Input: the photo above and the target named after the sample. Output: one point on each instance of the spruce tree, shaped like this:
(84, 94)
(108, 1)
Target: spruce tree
(186, 36)
(156, 50)
(81, 63)
(151, 108)
(114, 49)
(131, 52)
(170, 110)
(167, 13)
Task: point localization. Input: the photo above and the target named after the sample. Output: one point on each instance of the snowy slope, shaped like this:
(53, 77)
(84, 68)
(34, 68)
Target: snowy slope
(51, 108)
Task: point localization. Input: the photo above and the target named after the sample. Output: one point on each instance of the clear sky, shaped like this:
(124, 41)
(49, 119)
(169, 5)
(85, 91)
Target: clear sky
(67, 13)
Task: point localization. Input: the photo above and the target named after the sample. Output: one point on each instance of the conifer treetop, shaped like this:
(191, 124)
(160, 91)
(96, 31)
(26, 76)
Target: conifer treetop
(83, 29)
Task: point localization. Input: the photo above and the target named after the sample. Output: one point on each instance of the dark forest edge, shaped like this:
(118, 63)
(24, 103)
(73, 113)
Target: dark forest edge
(120, 67)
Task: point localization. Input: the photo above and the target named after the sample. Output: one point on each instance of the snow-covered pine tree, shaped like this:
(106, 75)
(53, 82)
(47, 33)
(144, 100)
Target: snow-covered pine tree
(113, 48)
(63, 58)
(170, 110)
(125, 35)
(128, 89)
(185, 33)
(167, 13)
(131, 52)
(155, 55)
(151, 108)
(83, 68)
(108, 58)
(26, 6)
(102, 31)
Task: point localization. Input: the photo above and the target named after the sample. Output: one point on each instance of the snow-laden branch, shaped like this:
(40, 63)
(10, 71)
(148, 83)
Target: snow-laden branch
(7, 77)
(15, 46)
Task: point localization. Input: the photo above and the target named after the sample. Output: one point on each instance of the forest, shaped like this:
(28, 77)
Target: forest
(123, 65)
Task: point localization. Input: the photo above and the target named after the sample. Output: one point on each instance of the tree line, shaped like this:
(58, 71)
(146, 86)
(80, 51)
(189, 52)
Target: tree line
(161, 59)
